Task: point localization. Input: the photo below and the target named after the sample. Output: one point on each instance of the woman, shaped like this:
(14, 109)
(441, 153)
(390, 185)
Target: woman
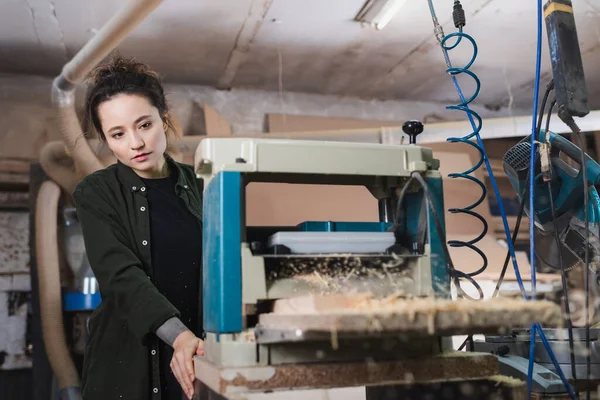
(141, 221)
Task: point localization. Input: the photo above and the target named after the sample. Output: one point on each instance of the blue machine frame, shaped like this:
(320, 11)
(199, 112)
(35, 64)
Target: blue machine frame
(222, 236)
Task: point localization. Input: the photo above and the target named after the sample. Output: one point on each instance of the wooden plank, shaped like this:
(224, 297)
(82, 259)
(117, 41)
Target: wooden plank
(452, 366)
(488, 388)
(14, 175)
(14, 201)
(312, 304)
(216, 126)
(303, 123)
(14, 166)
(417, 317)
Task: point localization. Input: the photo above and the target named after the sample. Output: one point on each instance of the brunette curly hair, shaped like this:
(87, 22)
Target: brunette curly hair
(124, 76)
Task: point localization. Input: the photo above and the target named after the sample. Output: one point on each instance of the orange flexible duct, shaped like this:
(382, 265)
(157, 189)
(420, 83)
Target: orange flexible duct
(57, 164)
(46, 243)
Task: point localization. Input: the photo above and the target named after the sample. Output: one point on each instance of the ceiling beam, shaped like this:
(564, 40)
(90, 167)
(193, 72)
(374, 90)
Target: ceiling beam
(243, 42)
(492, 128)
(495, 128)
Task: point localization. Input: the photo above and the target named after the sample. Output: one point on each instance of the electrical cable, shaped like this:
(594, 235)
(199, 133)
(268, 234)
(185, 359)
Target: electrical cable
(538, 61)
(476, 124)
(530, 360)
(536, 89)
(564, 283)
(586, 275)
(506, 260)
(472, 116)
(514, 239)
(549, 88)
(563, 273)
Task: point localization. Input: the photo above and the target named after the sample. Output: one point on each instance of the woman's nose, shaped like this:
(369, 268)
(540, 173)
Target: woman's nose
(136, 142)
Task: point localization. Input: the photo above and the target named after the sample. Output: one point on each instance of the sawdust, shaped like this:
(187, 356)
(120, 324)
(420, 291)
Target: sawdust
(339, 273)
(331, 265)
(248, 337)
(506, 380)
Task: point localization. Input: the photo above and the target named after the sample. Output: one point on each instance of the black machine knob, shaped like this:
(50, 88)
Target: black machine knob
(413, 128)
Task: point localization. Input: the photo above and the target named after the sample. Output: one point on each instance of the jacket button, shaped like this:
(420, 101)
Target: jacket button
(144, 242)
(133, 187)
(185, 186)
(142, 208)
(153, 352)
(143, 188)
(155, 390)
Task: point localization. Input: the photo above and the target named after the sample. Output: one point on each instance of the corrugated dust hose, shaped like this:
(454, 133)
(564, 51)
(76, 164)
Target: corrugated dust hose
(46, 242)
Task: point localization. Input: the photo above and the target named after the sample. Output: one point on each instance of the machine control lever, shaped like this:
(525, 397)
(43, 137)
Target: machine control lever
(412, 128)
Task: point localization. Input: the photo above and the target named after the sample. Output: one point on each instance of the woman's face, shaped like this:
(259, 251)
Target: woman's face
(134, 133)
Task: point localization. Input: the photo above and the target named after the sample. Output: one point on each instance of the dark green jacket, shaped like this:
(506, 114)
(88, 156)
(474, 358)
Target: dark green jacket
(121, 359)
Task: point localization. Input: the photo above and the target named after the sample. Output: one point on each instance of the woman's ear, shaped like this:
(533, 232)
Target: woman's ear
(165, 119)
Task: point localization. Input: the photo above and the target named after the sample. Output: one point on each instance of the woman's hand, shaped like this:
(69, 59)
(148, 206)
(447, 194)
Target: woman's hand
(186, 345)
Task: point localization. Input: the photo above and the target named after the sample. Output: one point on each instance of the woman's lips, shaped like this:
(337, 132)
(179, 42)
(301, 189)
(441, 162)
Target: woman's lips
(141, 157)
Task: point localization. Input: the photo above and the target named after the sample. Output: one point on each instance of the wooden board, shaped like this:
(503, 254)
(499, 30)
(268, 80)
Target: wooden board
(216, 125)
(452, 366)
(305, 123)
(281, 204)
(418, 317)
(313, 304)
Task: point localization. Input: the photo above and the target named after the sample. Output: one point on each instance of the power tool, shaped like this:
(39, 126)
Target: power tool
(567, 65)
(567, 185)
(566, 182)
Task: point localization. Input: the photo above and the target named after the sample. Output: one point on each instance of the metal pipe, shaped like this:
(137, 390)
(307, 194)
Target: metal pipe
(74, 72)
(106, 40)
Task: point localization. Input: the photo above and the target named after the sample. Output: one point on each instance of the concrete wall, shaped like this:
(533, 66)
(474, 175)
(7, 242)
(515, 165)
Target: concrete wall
(27, 120)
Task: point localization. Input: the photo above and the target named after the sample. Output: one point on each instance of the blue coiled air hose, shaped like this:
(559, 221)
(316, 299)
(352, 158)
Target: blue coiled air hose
(476, 123)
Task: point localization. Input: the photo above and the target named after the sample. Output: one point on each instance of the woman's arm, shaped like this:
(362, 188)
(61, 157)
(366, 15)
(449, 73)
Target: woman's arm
(185, 345)
(118, 270)
(170, 330)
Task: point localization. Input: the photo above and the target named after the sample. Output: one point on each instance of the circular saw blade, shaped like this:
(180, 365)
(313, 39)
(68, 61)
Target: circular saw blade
(548, 252)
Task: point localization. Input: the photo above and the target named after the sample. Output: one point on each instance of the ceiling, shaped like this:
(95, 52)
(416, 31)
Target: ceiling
(304, 45)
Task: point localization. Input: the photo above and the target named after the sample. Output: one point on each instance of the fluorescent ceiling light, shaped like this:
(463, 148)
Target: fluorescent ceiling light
(379, 12)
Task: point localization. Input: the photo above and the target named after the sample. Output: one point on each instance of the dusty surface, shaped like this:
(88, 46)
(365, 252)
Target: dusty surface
(418, 316)
(433, 369)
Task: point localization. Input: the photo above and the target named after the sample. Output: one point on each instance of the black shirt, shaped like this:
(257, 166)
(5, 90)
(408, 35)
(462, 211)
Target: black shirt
(176, 237)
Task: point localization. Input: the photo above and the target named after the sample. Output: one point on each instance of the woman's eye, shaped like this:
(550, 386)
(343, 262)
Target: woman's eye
(117, 135)
(146, 125)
